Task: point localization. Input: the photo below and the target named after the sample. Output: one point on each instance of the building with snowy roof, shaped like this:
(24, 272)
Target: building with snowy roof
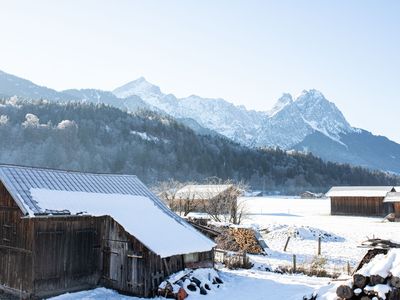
(206, 198)
(360, 200)
(65, 231)
(393, 198)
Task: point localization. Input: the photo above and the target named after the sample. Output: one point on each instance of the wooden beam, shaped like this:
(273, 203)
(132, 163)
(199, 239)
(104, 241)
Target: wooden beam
(16, 249)
(134, 256)
(8, 208)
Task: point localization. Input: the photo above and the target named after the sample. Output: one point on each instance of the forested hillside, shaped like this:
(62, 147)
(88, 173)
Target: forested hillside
(99, 138)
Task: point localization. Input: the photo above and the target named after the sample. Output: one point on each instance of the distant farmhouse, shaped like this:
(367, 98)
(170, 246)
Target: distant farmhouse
(66, 231)
(208, 198)
(360, 200)
(204, 194)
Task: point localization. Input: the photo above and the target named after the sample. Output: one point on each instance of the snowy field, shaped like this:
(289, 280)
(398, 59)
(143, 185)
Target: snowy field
(278, 217)
(341, 235)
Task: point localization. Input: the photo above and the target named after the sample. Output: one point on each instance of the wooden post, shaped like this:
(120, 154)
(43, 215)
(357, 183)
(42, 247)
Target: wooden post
(294, 263)
(319, 245)
(286, 244)
(348, 268)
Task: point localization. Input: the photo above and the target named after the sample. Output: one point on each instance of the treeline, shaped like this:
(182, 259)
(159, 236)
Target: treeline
(99, 138)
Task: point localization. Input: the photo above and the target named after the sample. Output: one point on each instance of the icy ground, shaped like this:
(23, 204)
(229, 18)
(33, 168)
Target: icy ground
(304, 220)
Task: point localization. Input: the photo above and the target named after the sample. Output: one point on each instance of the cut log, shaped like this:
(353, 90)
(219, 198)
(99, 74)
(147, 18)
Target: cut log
(192, 287)
(394, 294)
(203, 291)
(376, 279)
(196, 281)
(344, 292)
(181, 294)
(395, 282)
(360, 281)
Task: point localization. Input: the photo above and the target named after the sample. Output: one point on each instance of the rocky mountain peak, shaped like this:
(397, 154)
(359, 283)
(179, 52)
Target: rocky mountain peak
(139, 87)
(283, 101)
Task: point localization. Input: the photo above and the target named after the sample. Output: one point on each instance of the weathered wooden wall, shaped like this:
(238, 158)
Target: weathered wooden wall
(16, 244)
(360, 206)
(130, 267)
(67, 254)
(396, 206)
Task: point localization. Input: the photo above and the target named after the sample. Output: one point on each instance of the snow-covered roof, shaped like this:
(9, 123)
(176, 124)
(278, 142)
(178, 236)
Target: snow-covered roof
(392, 197)
(201, 191)
(397, 188)
(359, 191)
(123, 197)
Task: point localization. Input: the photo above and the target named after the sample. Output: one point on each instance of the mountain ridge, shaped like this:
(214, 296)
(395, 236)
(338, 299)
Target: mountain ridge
(291, 124)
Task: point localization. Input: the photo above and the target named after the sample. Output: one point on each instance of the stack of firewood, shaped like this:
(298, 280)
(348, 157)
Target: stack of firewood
(238, 239)
(246, 239)
(377, 279)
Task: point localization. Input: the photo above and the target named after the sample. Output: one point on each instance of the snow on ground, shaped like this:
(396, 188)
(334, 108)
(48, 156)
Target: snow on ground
(238, 285)
(341, 234)
(276, 217)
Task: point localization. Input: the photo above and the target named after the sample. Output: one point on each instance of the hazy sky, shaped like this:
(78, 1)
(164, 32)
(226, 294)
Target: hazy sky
(247, 52)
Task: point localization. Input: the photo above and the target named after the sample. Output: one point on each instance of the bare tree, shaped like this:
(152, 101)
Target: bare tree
(221, 207)
(225, 206)
(182, 204)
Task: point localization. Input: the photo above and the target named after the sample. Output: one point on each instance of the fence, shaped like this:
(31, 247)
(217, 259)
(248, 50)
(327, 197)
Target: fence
(232, 260)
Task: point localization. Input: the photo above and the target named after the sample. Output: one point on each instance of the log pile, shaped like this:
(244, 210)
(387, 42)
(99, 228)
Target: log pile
(247, 240)
(239, 240)
(378, 278)
(180, 285)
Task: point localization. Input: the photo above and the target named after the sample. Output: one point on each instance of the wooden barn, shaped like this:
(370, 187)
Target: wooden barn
(65, 231)
(360, 200)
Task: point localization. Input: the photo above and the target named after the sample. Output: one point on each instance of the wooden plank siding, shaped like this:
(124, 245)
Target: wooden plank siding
(16, 244)
(67, 254)
(50, 255)
(360, 206)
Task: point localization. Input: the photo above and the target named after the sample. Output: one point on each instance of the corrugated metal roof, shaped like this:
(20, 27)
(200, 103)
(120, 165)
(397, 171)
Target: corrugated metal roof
(359, 191)
(20, 180)
(392, 197)
(201, 191)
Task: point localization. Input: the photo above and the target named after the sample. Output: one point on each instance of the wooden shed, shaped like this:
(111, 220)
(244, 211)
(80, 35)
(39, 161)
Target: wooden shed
(360, 200)
(65, 231)
(393, 198)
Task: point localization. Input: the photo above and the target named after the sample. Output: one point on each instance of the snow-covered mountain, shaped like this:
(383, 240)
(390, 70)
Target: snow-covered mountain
(294, 120)
(307, 123)
(285, 125)
(234, 122)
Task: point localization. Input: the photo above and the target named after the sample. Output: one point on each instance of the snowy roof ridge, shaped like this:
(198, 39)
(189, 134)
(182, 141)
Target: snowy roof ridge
(140, 217)
(202, 191)
(21, 181)
(392, 197)
(359, 191)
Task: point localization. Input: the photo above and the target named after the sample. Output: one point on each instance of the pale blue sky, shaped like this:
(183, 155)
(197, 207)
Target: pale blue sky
(247, 52)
